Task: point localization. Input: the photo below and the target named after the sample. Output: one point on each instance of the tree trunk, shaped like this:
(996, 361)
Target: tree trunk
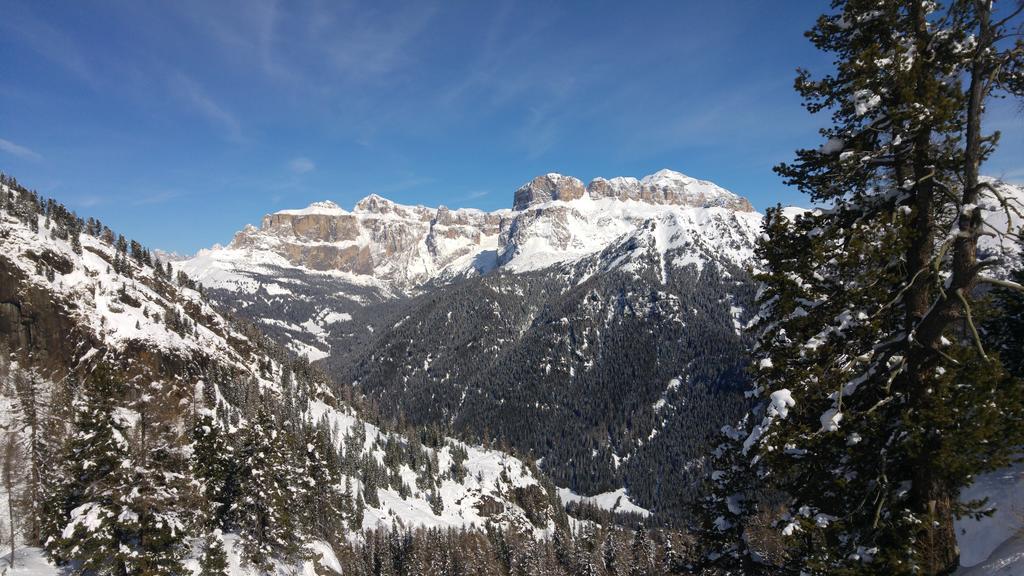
(930, 498)
(10, 455)
(10, 514)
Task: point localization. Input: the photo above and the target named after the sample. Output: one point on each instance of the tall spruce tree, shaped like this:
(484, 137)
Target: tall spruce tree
(265, 509)
(162, 495)
(642, 553)
(321, 501)
(99, 527)
(881, 400)
(213, 469)
(727, 504)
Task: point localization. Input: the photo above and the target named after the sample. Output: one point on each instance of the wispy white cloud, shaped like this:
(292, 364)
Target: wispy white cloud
(369, 45)
(157, 197)
(19, 151)
(541, 131)
(88, 201)
(301, 165)
(193, 94)
(47, 41)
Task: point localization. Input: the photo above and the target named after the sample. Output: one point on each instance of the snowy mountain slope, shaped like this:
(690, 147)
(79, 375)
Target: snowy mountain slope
(631, 364)
(994, 546)
(1003, 211)
(71, 299)
(642, 244)
(556, 232)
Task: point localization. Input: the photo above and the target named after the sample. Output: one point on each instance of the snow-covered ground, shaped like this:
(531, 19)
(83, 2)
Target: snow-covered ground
(614, 501)
(33, 562)
(994, 546)
(490, 474)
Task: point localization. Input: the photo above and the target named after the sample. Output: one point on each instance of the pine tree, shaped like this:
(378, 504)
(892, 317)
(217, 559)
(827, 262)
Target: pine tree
(10, 477)
(53, 466)
(214, 561)
(42, 449)
(585, 561)
(880, 400)
(358, 511)
(212, 468)
(727, 505)
(641, 550)
(670, 563)
(99, 525)
(610, 555)
(162, 496)
(321, 501)
(264, 509)
(563, 545)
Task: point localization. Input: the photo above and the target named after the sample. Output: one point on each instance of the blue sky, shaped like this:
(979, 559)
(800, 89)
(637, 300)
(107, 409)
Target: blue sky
(179, 122)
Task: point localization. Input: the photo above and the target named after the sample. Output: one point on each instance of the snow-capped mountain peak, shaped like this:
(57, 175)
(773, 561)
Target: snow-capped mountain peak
(322, 207)
(546, 188)
(395, 248)
(376, 204)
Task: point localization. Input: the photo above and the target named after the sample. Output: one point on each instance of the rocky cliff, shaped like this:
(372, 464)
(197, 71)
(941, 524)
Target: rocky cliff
(396, 248)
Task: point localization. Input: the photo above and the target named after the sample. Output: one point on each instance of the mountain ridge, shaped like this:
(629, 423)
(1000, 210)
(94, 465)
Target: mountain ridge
(397, 248)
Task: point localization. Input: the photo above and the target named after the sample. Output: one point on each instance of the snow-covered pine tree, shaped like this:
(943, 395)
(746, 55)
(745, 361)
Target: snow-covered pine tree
(214, 560)
(10, 478)
(727, 503)
(264, 510)
(610, 555)
(563, 545)
(54, 465)
(29, 420)
(882, 402)
(642, 554)
(212, 468)
(318, 486)
(669, 562)
(585, 560)
(162, 497)
(99, 528)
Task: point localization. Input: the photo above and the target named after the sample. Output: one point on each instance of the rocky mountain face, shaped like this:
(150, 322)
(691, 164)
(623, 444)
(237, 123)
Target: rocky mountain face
(396, 249)
(405, 245)
(663, 187)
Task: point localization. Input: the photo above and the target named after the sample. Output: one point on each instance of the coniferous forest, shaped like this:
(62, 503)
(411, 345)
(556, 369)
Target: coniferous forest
(623, 378)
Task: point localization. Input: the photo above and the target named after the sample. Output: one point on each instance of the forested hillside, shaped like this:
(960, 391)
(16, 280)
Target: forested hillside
(612, 374)
(142, 430)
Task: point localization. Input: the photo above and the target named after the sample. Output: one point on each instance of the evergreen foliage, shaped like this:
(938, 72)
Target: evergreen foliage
(265, 510)
(880, 398)
(100, 534)
(214, 561)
